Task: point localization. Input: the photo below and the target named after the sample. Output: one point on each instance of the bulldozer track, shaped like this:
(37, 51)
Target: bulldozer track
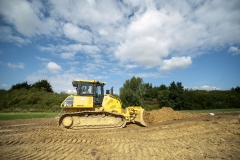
(101, 120)
(179, 139)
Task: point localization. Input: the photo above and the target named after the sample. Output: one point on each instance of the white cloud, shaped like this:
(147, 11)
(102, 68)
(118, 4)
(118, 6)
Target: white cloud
(139, 33)
(143, 43)
(49, 48)
(17, 65)
(59, 81)
(175, 62)
(69, 91)
(206, 87)
(78, 34)
(27, 17)
(178, 29)
(67, 55)
(88, 14)
(142, 51)
(102, 32)
(6, 35)
(146, 75)
(73, 62)
(131, 66)
(42, 59)
(53, 67)
(21, 14)
(234, 50)
(74, 48)
(4, 86)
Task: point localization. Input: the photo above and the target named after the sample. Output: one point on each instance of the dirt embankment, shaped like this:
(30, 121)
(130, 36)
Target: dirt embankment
(165, 114)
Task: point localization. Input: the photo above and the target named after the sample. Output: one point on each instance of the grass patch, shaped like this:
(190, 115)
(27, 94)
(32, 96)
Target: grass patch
(219, 111)
(151, 107)
(27, 115)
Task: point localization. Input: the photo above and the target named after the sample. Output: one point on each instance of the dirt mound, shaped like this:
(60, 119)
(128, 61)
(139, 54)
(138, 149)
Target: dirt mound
(165, 114)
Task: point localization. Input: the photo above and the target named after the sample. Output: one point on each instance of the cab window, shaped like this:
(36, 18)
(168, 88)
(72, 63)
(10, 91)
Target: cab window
(86, 88)
(99, 95)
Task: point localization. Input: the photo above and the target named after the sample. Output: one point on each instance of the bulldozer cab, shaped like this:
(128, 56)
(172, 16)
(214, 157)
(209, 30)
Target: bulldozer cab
(90, 88)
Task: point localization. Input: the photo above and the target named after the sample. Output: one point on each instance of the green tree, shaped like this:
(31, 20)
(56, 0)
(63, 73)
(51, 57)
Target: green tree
(163, 98)
(24, 85)
(148, 87)
(43, 85)
(237, 89)
(163, 87)
(176, 96)
(132, 93)
(152, 92)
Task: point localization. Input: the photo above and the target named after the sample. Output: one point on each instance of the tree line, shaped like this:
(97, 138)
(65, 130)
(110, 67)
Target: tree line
(39, 85)
(38, 96)
(136, 92)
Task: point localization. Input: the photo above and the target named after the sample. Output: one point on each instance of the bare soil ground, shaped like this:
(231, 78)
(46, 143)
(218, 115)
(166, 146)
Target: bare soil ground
(169, 135)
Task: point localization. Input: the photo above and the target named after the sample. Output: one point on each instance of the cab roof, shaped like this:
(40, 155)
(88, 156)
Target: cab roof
(91, 81)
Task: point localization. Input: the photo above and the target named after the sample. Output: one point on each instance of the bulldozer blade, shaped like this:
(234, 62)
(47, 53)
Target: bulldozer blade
(140, 116)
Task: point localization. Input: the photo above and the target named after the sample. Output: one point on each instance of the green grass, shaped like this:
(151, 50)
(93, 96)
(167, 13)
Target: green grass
(218, 111)
(27, 115)
(151, 107)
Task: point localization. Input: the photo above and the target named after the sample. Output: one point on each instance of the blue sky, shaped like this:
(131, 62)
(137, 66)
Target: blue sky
(193, 42)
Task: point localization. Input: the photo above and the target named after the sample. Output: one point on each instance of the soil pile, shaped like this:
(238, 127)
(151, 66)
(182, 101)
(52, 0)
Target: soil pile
(165, 114)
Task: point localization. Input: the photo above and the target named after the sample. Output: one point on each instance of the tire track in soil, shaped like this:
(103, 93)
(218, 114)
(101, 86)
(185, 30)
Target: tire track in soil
(121, 149)
(57, 146)
(183, 139)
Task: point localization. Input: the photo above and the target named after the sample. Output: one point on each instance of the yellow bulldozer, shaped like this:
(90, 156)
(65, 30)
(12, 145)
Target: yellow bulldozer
(90, 108)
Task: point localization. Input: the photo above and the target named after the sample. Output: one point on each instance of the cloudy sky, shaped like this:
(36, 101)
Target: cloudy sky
(193, 42)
